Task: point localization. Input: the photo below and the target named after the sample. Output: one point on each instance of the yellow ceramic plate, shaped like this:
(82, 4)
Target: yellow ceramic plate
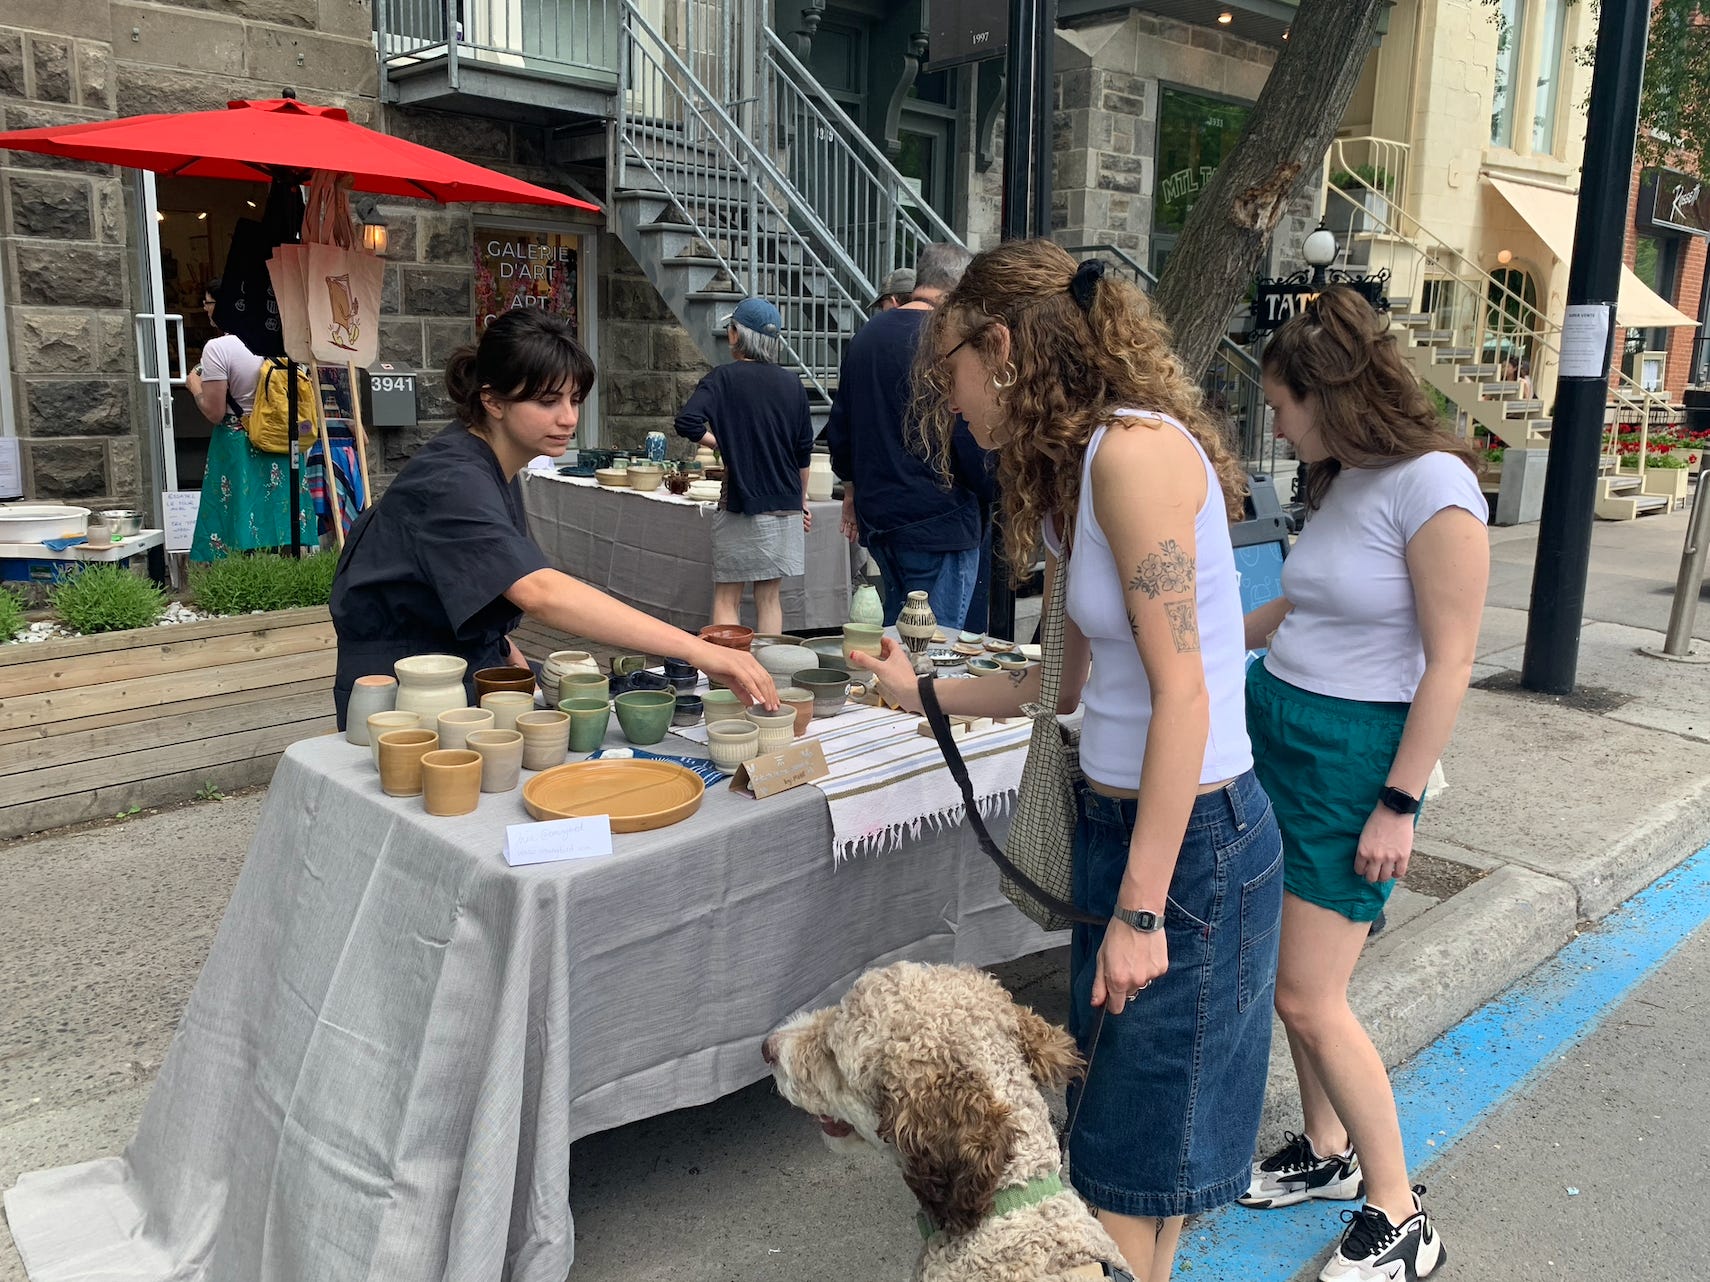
(638, 795)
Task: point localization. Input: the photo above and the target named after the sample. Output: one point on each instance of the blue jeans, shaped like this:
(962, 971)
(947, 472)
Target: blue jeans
(947, 578)
(1168, 1112)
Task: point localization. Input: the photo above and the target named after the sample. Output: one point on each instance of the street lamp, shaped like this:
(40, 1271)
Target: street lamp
(1319, 251)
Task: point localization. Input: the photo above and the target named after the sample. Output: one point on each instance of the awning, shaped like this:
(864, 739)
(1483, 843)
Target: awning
(1551, 214)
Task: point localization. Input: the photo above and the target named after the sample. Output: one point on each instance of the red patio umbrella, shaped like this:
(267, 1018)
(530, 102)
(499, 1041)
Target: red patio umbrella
(277, 137)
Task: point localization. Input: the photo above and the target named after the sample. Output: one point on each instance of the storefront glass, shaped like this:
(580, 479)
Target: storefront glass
(1195, 133)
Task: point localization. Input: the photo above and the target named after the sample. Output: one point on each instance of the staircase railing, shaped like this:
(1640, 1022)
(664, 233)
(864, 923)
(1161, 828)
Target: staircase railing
(733, 196)
(1231, 383)
(1478, 311)
(852, 186)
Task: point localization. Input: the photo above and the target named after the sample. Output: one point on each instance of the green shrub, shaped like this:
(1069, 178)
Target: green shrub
(107, 598)
(11, 616)
(245, 584)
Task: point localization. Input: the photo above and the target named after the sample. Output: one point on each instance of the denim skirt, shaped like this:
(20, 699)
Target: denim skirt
(1165, 1120)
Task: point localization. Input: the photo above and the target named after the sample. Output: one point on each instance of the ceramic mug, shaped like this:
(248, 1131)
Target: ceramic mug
(830, 688)
(799, 701)
(776, 728)
(455, 724)
(584, 685)
(378, 723)
(451, 781)
(546, 738)
(506, 706)
(730, 743)
(588, 721)
(501, 758)
(368, 695)
(624, 664)
(401, 753)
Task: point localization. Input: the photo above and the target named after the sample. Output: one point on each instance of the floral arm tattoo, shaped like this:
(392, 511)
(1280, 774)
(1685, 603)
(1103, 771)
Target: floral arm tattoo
(1169, 570)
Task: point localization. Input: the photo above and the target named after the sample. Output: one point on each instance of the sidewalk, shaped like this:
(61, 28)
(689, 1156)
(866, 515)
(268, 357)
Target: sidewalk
(1555, 811)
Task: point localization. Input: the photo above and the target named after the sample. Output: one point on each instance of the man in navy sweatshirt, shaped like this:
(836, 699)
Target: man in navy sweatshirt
(925, 537)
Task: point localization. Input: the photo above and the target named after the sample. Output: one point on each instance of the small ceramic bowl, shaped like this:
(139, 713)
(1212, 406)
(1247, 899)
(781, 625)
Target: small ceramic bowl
(613, 478)
(644, 478)
(999, 647)
(968, 648)
(1010, 660)
(732, 636)
(971, 638)
(945, 658)
(688, 712)
(982, 667)
(721, 705)
(645, 715)
(732, 742)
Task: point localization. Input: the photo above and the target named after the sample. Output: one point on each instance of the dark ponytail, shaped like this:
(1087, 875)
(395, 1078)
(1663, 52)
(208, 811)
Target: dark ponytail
(522, 354)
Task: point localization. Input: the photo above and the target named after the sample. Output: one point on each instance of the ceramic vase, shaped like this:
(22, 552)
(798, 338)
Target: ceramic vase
(656, 447)
(368, 696)
(401, 753)
(917, 624)
(501, 758)
(866, 607)
(546, 738)
(429, 684)
(378, 723)
(451, 781)
(820, 478)
(455, 724)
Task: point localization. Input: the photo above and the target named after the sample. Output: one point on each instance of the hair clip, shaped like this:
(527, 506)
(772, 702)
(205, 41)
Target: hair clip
(1084, 286)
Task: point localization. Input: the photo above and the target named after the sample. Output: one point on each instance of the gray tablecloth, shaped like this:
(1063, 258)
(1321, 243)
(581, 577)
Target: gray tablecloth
(396, 1037)
(658, 556)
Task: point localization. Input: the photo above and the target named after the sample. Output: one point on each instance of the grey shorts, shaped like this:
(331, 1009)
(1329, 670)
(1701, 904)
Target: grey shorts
(753, 549)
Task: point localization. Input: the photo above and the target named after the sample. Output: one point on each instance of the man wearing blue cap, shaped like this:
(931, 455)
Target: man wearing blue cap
(755, 414)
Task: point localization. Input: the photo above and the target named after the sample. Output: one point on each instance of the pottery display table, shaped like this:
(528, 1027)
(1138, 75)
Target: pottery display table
(654, 551)
(36, 562)
(397, 1038)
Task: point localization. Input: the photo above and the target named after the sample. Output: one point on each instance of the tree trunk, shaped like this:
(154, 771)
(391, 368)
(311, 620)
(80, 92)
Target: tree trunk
(1287, 135)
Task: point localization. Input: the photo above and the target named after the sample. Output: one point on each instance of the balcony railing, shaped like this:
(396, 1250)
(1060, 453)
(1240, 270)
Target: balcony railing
(566, 39)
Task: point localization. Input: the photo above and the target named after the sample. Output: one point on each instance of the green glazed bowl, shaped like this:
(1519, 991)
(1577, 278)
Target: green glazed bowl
(721, 705)
(588, 721)
(645, 715)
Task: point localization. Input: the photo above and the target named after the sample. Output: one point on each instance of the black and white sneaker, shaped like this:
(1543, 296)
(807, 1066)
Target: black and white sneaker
(1374, 1250)
(1295, 1173)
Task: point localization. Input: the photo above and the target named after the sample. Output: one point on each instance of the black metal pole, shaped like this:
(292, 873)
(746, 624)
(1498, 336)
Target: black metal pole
(1018, 135)
(1044, 113)
(1582, 384)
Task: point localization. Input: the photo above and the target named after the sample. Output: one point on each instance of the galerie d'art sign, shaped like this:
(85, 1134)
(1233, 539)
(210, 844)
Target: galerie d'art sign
(524, 269)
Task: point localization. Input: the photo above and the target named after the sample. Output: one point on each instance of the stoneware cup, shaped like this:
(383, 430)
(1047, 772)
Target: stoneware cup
(451, 781)
(645, 715)
(624, 664)
(379, 723)
(733, 742)
(588, 721)
(546, 738)
(584, 685)
(454, 725)
(799, 701)
(830, 688)
(776, 728)
(721, 705)
(487, 680)
(401, 753)
(506, 706)
(688, 712)
(501, 758)
(861, 636)
(367, 696)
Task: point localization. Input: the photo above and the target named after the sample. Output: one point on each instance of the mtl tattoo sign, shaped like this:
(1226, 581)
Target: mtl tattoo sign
(1276, 301)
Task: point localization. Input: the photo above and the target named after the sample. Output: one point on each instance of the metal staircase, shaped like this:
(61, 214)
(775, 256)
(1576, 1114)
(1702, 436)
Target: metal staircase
(1459, 323)
(775, 192)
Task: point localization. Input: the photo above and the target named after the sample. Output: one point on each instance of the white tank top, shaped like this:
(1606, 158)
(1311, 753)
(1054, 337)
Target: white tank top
(1118, 697)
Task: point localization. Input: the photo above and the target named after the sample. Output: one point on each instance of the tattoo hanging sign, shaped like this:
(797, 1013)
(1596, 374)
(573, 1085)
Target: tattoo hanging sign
(525, 268)
(1276, 301)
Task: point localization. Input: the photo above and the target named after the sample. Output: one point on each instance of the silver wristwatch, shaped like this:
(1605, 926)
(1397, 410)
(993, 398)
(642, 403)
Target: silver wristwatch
(1145, 922)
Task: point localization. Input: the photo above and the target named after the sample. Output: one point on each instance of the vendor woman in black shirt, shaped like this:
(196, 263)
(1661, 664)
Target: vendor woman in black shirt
(443, 563)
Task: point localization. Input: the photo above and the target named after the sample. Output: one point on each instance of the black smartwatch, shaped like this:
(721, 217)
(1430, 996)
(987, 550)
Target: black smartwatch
(1403, 803)
(1145, 922)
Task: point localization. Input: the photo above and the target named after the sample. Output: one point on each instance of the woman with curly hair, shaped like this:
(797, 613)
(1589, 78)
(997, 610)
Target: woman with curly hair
(1373, 645)
(1105, 451)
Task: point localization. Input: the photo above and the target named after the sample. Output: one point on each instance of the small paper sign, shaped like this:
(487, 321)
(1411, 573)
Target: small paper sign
(776, 772)
(178, 515)
(1585, 341)
(11, 469)
(543, 843)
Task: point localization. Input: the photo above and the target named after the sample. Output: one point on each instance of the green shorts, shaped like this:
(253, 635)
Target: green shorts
(1323, 762)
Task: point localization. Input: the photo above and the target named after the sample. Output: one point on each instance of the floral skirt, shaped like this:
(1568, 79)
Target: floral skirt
(243, 498)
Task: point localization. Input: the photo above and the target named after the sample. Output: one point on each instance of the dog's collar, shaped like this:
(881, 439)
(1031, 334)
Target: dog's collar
(1015, 1198)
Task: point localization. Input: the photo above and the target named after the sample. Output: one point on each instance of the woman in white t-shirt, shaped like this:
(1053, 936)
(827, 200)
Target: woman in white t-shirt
(1105, 450)
(1371, 648)
(243, 506)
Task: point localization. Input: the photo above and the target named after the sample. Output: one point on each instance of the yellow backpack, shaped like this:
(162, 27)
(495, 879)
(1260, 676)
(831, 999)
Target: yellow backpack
(269, 421)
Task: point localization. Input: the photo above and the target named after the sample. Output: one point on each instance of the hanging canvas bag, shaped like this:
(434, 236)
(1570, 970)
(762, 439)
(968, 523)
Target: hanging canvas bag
(342, 282)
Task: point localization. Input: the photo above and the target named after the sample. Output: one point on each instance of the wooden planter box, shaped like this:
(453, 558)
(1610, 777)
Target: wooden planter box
(90, 726)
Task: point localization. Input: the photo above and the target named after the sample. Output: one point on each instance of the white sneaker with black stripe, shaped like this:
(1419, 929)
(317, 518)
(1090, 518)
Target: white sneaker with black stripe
(1374, 1250)
(1295, 1173)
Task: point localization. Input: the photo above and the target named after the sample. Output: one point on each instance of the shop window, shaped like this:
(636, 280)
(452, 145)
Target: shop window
(1656, 261)
(1551, 72)
(1195, 133)
(1510, 34)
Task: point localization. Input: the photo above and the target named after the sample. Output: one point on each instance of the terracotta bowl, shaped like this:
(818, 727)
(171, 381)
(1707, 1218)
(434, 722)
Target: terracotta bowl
(487, 680)
(732, 636)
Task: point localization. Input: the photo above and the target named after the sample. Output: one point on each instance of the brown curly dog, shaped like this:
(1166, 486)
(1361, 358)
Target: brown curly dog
(938, 1066)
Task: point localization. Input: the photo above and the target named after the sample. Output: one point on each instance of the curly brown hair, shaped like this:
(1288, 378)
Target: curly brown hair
(1074, 367)
(1340, 357)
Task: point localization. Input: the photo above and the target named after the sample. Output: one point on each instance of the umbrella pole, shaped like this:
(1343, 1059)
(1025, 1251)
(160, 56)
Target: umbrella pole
(361, 436)
(292, 501)
(328, 469)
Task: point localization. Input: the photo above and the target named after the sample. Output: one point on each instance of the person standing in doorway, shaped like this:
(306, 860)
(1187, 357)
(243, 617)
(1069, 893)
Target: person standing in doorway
(924, 535)
(755, 413)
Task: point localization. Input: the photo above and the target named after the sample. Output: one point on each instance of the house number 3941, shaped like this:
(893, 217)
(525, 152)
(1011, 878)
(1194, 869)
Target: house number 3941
(394, 383)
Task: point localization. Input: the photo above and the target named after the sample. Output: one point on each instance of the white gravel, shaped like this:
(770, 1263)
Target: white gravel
(48, 630)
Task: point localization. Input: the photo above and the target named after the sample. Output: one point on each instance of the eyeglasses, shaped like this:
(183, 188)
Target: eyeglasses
(959, 346)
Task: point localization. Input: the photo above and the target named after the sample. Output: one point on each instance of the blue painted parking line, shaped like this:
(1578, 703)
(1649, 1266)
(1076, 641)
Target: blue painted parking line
(1456, 1081)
